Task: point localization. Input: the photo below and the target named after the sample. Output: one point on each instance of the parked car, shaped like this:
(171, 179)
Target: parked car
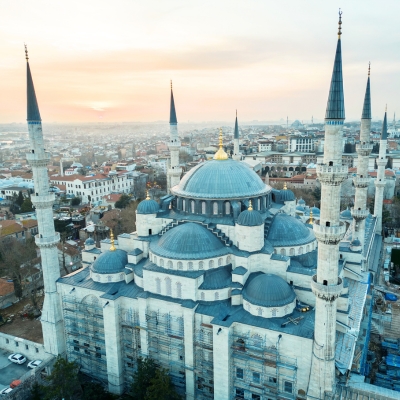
(5, 391)
(34, 364)
(17, 358)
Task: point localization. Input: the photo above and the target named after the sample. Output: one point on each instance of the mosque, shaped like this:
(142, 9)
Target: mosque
(224, 282)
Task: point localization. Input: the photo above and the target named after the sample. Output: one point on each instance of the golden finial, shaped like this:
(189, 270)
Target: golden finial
(171, 83)
(26, 52)
(220, 154)
(369, 68)
(311, 218)
(112, 248)
(284, 186)
(250, 208)
(147, 195)
(340, 23)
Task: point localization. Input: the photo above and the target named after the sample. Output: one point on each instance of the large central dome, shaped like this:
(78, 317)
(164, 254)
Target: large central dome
(221, 179)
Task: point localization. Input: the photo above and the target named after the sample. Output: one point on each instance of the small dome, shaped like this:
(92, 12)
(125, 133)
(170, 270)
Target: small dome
(188, 241)
(148, 206)
(300, 208)
(110, 262)
(355, 243)
(89, 242)
(316, 211)
(268, 290)
(286, 231)
(346, 214)
(287, 195)
(250, 218)
(301, 202)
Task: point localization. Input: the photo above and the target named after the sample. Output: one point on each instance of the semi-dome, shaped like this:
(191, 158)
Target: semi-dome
(250, 218)
(346, 214)
(148, 206)
(268, 290)
(110, 262)
(221, 179)
(188, 241)
(286, 231)
(287, 195)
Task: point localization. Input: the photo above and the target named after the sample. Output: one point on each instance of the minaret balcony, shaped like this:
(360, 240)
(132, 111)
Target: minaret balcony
(332, 174)
(36, 160)
(381, 162)
(329, 234)
(43, 201)
(361, 182)
(47, 241)
(379, 184)
(364, 149)
(326, 292)
(359, 214)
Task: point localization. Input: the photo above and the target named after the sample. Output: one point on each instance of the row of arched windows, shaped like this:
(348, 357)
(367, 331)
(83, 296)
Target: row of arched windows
(168, 287)
(300, 250)
(190, 265)
(203, 296)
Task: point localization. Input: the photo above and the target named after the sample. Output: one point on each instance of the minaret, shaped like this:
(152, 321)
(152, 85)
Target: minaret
(360, 210)
(174, 145)
(380, 176)
(326, 284)
(47, 238)
(236, 154)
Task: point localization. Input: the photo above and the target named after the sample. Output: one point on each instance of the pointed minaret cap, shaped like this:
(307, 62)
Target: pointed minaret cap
(236, 131)
(366, 112)
(384, 133)
(33, 113)
(220, 154)
(335, 105)
(172, 112)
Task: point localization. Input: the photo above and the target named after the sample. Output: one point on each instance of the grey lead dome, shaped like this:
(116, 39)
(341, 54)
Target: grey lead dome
(250, 218)
(110, 262)
(148, 207)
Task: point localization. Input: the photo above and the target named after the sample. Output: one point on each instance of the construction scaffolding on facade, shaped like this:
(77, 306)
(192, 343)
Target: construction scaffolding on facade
(258, 371)
(203, 362)
(84, 331)
(166, 345)
(130, 343)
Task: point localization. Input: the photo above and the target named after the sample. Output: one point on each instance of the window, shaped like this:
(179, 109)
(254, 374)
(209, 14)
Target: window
(216, 296)
(155, 260)
(192, 207)
(202, 296)
(7, 341)
(168, 286)
(203, 207)
(255, 396)
(283, 252)
(178, 290)
(256, 377)
(190, 266)
(291, 252)
(161, 262)
(227, 208)
(219, 262)
(239, 373)
(215, 208)
(26, 347)
(274, 310)
(158, 285)
(288, 388)
(239, 393)
(16, 344)
(211, 264)
(271, 379)
(169, 264)
(300, 250)
(201, 265)
(76, 348)
(180, 265)
(259, 311)
(37, 350)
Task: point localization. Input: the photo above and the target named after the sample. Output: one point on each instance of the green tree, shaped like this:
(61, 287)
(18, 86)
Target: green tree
(63, 381)
(20, 199)
(37, 392)
(123, 201)
(93, 390)
(27, 205)
(161, 387)
(76, 201)
(146, 370)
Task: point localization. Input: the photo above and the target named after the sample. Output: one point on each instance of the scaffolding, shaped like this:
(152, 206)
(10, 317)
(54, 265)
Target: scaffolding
(203, 362)
(166, 345)
(130, 343)
(84, 332)
(260, 370)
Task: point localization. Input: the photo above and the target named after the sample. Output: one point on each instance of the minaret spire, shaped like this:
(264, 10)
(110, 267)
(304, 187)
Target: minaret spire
(236, 155)
(329, 230)
(366, 112)
(172, 113)
(47, 238)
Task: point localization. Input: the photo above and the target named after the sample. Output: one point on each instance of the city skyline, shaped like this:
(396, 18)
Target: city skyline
(269, 62)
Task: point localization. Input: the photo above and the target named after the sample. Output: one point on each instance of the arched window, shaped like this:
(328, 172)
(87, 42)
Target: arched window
(300, 250)
(211, 264)
(215, 208)
(158, 285)
(161, 262)
(203, 207)
(201, 265)
(202, 296)
(180, 265)
(109, 278)
(257, 340)
(178, 290)
(259, 311)
(274, 310)
(190, 266)
(258, 204)
(121, 276)
(216, 295)
(184, 205)
(155, 260)
(228, 259)
(193, 206)
(220, 262)
(307, 248)
(227, 208)
(168, 288)
(291, 252)
(169, 264)
(283, 252)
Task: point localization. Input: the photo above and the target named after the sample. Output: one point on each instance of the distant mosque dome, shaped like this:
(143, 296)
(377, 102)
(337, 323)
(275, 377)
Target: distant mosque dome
(250, 218)
(301, 202)
(188, 241)
(221, 179)
(316, 211)
(300, 208)
(268, 290)
(89, 242)
(346, 214)
(286, 231)
(148, 206)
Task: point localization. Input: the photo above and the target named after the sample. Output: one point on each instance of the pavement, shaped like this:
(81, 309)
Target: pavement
(10, 371)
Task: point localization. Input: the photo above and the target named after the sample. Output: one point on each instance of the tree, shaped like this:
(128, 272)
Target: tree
(27, 205)
(20, 199)
(63, 381)
(123, 201)
(146, 370)
(37, 392)
(93, 390)
(161, 387)
(76, 201)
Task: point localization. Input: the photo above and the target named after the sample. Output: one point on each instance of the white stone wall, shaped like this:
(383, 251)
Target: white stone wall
(269, 312)
(249, 238)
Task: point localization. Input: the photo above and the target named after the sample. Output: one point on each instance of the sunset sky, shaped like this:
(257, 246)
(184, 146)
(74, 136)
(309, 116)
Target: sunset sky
(96, 60)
